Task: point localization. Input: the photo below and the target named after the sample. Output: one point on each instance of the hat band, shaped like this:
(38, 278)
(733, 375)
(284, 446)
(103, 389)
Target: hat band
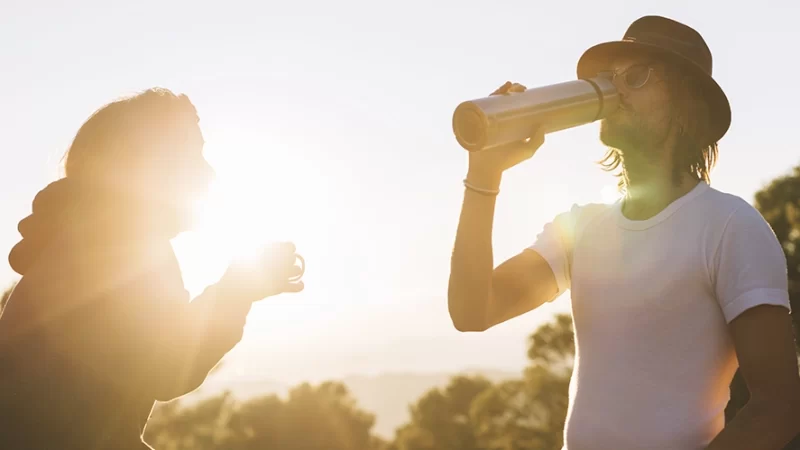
(684, 48)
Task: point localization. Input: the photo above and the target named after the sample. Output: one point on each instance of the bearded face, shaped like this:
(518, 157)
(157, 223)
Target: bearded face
(643, 121)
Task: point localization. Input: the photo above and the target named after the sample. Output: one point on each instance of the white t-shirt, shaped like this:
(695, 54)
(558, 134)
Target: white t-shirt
(651, 301)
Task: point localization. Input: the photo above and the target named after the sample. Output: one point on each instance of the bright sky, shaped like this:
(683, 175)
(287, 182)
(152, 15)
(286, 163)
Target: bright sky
(331, 121)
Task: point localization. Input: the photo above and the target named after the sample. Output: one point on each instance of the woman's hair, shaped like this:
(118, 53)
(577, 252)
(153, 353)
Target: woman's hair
(694, 154)
(128, 131)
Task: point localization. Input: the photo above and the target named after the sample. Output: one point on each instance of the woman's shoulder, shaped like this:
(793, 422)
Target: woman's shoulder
(140, 261)
(70, 266)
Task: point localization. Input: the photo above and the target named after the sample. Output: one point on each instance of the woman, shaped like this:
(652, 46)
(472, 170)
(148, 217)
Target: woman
(100, 326)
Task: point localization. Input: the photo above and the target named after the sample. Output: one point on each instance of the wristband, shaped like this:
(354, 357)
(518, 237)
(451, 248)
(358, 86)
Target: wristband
(488, 192)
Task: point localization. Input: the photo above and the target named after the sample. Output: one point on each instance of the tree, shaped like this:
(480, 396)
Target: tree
(323, 417)
(526, 413)
(552, 346)
(442, 419)
(200, 427)
(311, 418)
(530, 413)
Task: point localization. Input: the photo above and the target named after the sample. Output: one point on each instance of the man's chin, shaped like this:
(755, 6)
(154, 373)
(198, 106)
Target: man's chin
(610, 135)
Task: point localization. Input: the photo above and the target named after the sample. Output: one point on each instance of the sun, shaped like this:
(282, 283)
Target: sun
(262, 194)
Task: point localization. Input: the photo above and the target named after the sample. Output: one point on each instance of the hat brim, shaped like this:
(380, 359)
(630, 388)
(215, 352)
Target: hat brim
(597, 59)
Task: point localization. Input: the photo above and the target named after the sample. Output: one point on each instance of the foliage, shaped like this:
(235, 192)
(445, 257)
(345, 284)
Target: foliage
(469, 413)
(312, 417)
(442, 419)
(526, 413)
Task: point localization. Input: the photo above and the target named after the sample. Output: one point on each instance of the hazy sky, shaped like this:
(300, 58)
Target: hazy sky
(335, 118)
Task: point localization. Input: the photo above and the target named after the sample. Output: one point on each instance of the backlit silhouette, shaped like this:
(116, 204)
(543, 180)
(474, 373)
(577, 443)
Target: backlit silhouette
(100, 325)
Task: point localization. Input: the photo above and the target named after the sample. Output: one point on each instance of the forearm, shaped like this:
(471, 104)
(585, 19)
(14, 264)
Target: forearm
(162, 347)
(472, 261)
(208, 328)
(759, 425)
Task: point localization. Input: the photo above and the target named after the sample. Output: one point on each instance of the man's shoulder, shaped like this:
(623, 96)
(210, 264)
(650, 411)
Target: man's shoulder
(579, 217)
(734, 220)
(724, 198)
(725, 205)
(581, 214)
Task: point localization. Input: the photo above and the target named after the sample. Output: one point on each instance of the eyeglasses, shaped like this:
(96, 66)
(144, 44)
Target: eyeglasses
(634, 77)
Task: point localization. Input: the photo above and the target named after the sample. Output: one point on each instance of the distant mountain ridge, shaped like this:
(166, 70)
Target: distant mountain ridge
(387, 395)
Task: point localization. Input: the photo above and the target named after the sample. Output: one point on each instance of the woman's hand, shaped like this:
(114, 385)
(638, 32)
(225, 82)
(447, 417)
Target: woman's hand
(274, 271)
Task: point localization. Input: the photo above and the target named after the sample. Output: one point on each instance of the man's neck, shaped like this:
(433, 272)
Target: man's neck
(651, 189)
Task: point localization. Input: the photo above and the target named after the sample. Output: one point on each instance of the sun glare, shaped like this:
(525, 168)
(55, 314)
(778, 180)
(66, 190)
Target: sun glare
(609, 194)
(262, 195)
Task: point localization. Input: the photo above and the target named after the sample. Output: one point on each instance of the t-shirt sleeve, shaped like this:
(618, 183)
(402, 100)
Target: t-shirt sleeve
(554, 243)
(750, 265)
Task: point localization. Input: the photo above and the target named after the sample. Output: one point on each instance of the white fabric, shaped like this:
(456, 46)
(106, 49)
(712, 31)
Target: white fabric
(651, 301)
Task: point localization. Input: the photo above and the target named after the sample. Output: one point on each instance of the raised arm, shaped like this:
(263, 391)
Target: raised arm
(145, 334)
(480, 296)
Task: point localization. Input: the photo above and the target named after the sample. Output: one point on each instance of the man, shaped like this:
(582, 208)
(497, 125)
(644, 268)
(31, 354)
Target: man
(670, 285)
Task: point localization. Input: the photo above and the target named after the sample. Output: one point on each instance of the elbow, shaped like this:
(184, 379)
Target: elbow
(181, 371)
(173, 386)
(185, 373)
(463, 317)
(469, 327)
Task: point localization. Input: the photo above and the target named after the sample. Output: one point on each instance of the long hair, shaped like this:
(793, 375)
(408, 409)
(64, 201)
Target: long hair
(693, 154)
(127, 131)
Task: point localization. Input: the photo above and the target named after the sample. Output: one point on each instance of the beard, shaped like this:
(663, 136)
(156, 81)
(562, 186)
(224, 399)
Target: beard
(631, 135)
